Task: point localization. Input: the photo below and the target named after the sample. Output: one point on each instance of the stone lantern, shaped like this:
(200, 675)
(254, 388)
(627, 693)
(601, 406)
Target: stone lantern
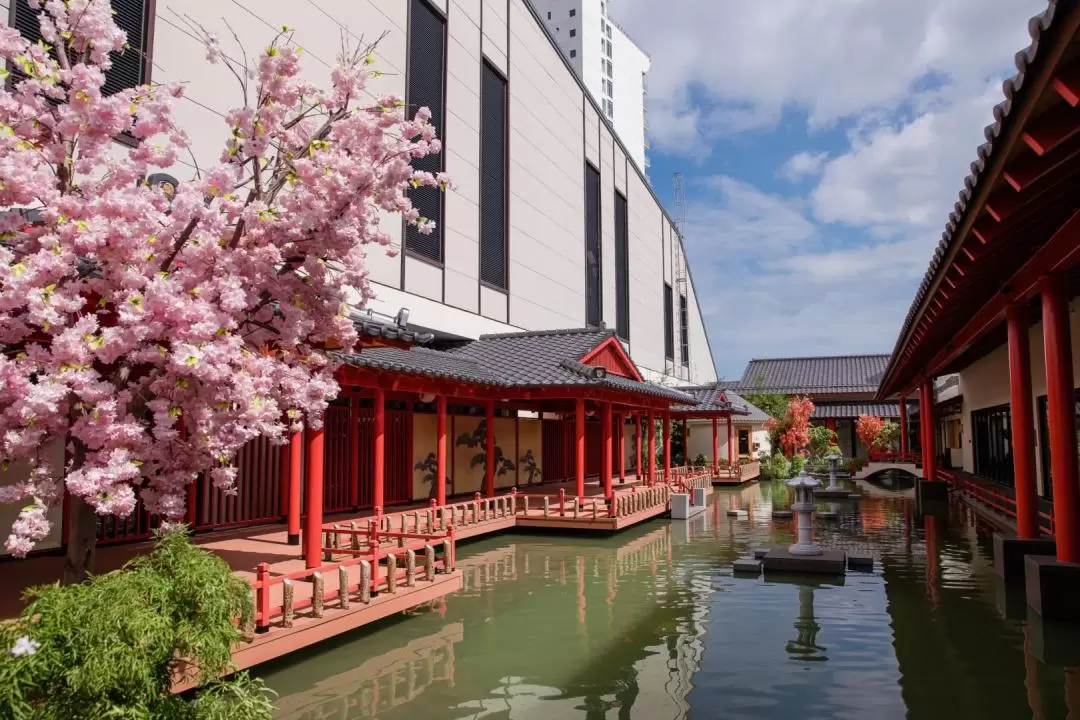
(803, 506)
(833, 461)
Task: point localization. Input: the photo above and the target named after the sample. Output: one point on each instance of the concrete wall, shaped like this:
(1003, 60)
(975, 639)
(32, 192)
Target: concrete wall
(985, 383)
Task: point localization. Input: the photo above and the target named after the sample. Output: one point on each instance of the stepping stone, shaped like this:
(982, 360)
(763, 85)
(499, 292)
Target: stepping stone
(736, 513)
(860, 562)
(748, 566)
(781, 514)
(761, 552)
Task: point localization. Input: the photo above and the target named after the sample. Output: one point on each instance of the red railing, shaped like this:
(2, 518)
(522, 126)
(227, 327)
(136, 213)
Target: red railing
(371, 580)
(995, 497)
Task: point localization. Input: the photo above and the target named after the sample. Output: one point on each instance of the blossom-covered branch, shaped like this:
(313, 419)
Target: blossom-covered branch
(159, 332)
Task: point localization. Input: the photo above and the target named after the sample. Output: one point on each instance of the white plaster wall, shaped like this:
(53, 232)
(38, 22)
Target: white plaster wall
(629, 65)
(701, 438)
(985, 383)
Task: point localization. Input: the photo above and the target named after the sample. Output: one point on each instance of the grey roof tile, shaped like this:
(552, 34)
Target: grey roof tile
(838, 411)
(839, 374)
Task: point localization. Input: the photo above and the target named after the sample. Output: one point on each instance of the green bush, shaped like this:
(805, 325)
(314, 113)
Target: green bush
(110, 647)
(776, 467)
(797, 464)
(700, 461)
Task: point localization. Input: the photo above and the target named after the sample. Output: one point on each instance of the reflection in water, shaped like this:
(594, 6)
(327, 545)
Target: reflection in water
(651, 624)
(893, 480)
(805, 647)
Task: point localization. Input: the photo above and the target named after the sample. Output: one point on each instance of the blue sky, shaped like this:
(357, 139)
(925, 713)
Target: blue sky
(822, 144)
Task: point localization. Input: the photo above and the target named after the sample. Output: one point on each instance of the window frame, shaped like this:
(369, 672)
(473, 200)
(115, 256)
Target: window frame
(486, 65)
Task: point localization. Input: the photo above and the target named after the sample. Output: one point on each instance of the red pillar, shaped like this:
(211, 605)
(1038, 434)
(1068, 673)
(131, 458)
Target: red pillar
(639, 460)
(489, 454)
(620, 422)
(605, 447)
(314, 500)
(652, 448)
(926, 423)
(296, 477)
(579, 447)
(1061, 417)
(667, 446)
(440, 453)
(378, 452)
(284, 483)
(354, 451)
(1023, 423)
(730, 442)
(715, 447)
(903, 426)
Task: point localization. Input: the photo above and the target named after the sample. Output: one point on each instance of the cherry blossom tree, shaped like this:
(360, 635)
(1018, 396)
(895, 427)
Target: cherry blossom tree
(796, 434)
(869, 429)
(158, 329)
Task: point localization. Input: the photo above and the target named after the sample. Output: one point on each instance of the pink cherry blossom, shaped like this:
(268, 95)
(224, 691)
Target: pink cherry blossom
(158, 334)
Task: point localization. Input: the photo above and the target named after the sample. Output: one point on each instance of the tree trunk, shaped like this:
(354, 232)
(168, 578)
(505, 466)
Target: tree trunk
(82, 541)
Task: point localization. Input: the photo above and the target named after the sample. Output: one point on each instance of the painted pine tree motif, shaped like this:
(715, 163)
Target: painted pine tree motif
(477, 439)
(528, 463)
(430, 467)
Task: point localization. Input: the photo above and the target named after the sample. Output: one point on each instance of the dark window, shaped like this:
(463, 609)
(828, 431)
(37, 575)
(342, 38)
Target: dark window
(573, 53)
(129, 66)
(1044, 444)
(573, 32)
(427, 65)
(684, 330)
(593, 316)
(549, 14)
(493, 179)
(572, 13)
(992, 439)
(669, 325)
(622, 270)
(744, 442)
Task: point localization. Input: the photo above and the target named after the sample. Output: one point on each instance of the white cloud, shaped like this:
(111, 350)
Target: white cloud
(722, 67)
(803, 164)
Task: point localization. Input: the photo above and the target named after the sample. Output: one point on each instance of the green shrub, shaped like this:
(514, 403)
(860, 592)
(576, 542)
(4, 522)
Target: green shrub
(700, 461)
(797, 464)
(110, 647)
(776, 467)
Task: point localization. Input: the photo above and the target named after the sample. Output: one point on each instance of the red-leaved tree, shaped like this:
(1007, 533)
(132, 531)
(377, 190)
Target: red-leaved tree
(869, 428)
(158, 332)
(796, 434)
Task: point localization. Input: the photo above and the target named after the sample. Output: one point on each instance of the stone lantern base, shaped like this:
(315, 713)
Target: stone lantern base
(782, 560)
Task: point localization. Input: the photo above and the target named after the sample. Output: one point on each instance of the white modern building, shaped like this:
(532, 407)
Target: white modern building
(612, 66)
(551, 223)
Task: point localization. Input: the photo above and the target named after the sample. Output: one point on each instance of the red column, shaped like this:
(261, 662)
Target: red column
(715, 447)
(667, 446)
(903, 426)
(652, 448)
(639, 460)
(314, 500)
(354, 451)
(296, 477)
(378, 452)
(730, 442)
(579, 447)
(1061, 417)
(1023, 423)
(489, 454)
(284, 483)
(605, 447)
(620, 422)
(926, 422)
(440, 453)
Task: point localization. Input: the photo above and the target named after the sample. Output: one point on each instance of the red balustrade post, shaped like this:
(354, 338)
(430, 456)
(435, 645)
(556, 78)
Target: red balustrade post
(313, 523)
(605, 448)
(262, 597)
(489, 453)
(296, 476)
(1022, 422)
(579, 447)
(1061, 417)
(562, 501)
(354, 451)
(440, 454)
(378, 451)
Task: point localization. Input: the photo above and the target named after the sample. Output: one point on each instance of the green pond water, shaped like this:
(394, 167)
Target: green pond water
(651, 624)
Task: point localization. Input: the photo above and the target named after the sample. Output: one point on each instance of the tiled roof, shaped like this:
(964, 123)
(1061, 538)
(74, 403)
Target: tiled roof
(522, 360)
(373, 324)
(712, 398)
(754, 414)
(854, 410)
(840, 374)
(1037, 29)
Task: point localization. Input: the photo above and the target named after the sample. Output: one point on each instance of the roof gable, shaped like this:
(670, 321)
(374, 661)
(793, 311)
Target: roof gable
(610, 355)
